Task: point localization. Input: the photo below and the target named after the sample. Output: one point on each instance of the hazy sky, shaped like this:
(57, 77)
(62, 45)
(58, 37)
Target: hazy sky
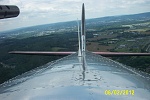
(35, 12)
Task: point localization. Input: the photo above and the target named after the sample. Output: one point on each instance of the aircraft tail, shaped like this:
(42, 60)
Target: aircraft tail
(81, 36)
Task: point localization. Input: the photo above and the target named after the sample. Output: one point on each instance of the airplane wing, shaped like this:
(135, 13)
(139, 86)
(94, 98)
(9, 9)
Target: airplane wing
(80, 76)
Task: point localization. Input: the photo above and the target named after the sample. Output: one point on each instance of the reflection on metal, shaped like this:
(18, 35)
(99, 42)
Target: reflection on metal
(79, 40)
(83, 65)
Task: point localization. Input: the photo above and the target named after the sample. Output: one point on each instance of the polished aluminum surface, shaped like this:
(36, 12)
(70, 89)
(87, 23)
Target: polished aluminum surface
(69, 79)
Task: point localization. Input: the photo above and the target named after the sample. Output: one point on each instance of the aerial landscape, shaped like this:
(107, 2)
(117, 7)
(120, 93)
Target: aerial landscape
(126, 33)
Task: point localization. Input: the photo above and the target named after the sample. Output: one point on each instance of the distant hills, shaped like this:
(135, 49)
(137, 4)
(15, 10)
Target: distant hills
(142, 17)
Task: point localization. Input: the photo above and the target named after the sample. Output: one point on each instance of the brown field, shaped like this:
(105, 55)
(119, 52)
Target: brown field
(102, 36)
(96, 47)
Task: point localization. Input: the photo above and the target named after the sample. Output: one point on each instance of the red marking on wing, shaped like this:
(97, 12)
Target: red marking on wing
(106, 54)
(110, 54)
(40, 53)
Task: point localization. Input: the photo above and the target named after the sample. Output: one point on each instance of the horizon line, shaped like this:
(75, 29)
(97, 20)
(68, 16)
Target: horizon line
(68, 21)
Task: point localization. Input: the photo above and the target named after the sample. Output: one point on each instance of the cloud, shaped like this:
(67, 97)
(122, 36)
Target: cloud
(35, 12)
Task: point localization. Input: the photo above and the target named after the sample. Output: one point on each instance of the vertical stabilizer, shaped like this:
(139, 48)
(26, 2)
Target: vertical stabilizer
(83, 30)
(83, 37)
